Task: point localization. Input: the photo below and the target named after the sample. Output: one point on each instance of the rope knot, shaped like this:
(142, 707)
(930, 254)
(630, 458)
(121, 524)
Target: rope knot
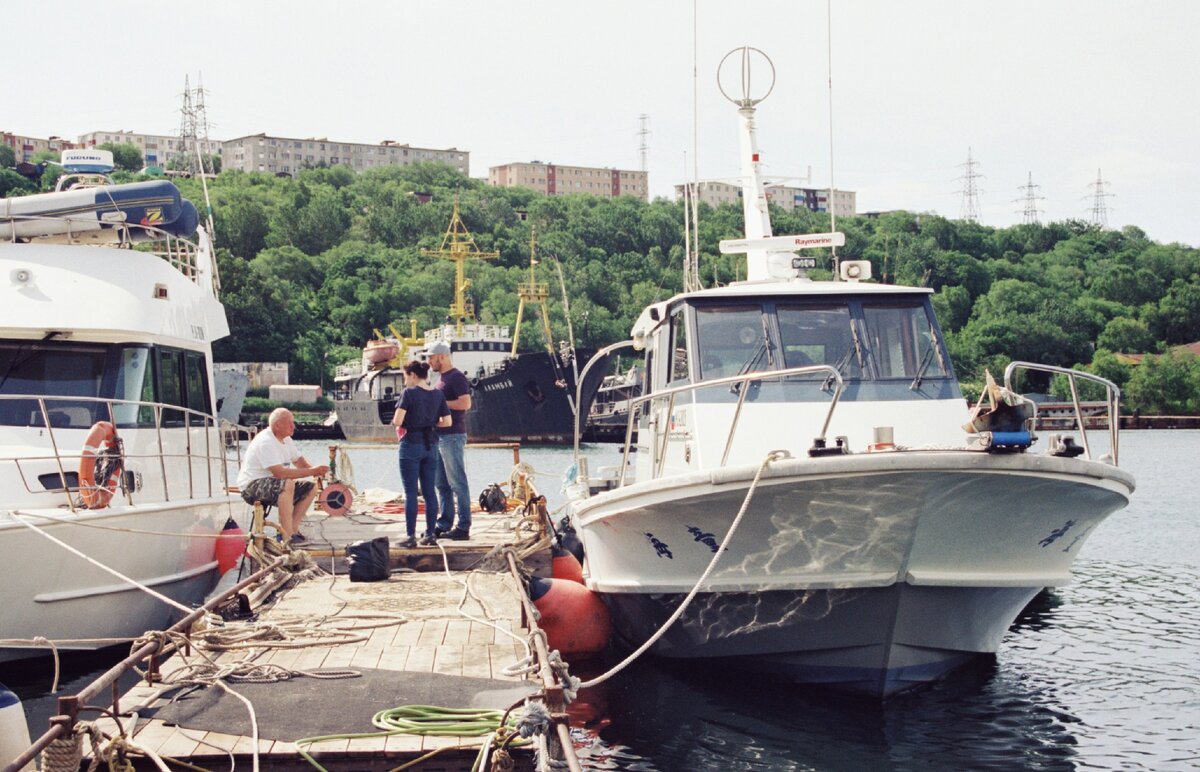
(534, 720)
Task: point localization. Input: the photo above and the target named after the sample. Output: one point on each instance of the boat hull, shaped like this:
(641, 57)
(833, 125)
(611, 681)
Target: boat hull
(868, 572)
(52, 593)
(529, 398)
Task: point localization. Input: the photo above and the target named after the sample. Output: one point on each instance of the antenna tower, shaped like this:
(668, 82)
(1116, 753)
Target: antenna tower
(643, 133)
(1099, 208)
(193, 126)
(970, 190)
(1030, 200)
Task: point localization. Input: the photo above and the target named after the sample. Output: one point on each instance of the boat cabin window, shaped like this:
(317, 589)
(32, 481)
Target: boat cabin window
(819, 335)
(902, 342)
(732, 340)
(679, 347)
(77, 380)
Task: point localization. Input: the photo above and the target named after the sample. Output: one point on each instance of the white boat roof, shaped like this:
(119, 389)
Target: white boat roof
(774, 288)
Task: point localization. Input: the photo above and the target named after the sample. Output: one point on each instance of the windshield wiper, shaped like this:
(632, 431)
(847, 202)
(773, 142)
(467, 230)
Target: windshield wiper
(925, 362)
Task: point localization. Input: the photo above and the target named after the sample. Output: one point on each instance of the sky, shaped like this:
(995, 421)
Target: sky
(1059, 91)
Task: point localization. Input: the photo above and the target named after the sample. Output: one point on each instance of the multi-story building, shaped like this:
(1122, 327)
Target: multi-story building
(157, 149)
(288, 155)
(716, 193)
(554, 180)
(25, 148)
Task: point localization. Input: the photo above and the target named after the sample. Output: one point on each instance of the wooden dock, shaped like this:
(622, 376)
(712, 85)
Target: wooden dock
(448, 628)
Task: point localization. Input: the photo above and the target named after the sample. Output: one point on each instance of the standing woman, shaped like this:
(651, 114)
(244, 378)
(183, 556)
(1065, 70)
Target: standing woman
(420, 411)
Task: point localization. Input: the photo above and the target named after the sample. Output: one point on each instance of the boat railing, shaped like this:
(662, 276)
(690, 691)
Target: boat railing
(179, 252)
(52, 412)
(744, 380)
(1112, 400)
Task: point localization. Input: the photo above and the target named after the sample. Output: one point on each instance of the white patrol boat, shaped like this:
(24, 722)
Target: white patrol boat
(801, 467)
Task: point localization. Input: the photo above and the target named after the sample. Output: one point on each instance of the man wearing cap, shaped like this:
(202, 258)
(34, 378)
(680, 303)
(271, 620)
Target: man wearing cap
(454, 493)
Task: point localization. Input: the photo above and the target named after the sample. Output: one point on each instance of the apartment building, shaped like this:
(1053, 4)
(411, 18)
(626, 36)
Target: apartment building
(713, 193)
(555, 180)
(25, 148)
(157, 149)
(288, 155)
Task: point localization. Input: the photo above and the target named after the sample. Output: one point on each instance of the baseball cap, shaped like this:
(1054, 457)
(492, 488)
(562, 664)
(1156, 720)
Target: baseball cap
(441, 347)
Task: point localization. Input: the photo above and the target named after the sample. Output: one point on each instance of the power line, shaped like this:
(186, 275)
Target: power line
(643, 133)
(1099, 208)
(970, 189)
(1030, 201)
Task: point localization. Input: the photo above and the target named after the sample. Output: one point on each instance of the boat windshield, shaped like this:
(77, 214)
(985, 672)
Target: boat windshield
(902, 342)
(73, 376)
(884, 347)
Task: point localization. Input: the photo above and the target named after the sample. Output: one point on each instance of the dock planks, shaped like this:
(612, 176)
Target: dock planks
(436, 639)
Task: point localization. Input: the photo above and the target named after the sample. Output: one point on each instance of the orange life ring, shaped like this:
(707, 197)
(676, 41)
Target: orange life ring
(103, 445)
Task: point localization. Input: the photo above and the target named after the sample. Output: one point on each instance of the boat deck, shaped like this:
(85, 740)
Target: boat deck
(416, 648)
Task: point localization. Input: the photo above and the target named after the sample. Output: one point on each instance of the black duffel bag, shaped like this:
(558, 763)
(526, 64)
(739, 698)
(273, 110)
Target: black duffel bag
(369, 560)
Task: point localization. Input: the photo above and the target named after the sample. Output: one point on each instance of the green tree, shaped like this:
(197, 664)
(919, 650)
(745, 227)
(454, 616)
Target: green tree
(125, 155)
(13, 184)
(1126, 335)
(1166, 385)
(8, 158)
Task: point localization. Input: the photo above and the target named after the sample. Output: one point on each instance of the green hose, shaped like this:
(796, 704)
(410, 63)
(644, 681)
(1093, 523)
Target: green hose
(425, 720)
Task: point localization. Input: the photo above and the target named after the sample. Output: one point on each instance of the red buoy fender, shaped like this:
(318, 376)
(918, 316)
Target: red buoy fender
(564, 565)
(101, 440)
(229, 550)
(576, 621)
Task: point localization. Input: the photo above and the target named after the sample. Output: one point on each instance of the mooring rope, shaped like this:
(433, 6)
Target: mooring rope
(774, 455)
(140, 531)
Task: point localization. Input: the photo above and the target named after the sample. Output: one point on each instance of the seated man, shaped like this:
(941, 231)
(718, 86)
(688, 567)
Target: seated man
(272, 470)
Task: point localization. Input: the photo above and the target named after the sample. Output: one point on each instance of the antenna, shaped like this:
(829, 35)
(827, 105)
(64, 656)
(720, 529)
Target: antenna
(187, 122)
(1099, 208)
(643, 133)
(970, 190)
(1030, 199)
(200, 123)
(832, 206)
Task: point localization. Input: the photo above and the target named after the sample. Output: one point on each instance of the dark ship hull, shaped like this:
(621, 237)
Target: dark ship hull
(528, 399)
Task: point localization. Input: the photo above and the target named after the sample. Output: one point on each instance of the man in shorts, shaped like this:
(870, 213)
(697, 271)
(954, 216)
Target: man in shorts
(272, 473)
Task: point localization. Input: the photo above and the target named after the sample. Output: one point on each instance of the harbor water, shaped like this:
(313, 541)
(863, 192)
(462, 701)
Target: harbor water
(1101, 674)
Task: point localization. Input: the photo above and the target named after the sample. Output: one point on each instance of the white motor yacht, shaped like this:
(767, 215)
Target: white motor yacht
(109, 445)
(801, 465)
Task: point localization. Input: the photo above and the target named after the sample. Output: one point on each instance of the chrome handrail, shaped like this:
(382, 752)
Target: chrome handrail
(203, 421)
(744, 378)
(583, 375)
(1112, 399)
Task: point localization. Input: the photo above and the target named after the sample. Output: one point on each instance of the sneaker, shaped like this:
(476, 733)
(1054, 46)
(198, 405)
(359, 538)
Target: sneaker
(458, 534)
(409, 543)
(297, 538)
(439, 532)
(428, 540)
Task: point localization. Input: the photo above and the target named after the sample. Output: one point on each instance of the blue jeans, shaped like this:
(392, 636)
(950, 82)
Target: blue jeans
(419, 464)
(452, 483)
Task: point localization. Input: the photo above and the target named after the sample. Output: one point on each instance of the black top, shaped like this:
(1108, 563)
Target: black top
(453, 384)
(423, 408)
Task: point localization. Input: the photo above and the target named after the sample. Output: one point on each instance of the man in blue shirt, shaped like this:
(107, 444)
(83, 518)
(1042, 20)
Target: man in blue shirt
(454, 494)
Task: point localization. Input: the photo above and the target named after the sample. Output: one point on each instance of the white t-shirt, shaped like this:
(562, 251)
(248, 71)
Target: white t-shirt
(266, 451)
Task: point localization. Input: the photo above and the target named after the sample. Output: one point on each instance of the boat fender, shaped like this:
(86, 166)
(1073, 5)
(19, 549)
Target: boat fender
(100, 465)
(575, 620)
(564, 565)
(336, 499)
(1007, 442)
(14, 732)
(571, 543)
(229, 550)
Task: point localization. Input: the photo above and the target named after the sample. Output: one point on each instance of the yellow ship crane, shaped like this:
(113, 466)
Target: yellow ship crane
(533, 291)
(458, 245)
